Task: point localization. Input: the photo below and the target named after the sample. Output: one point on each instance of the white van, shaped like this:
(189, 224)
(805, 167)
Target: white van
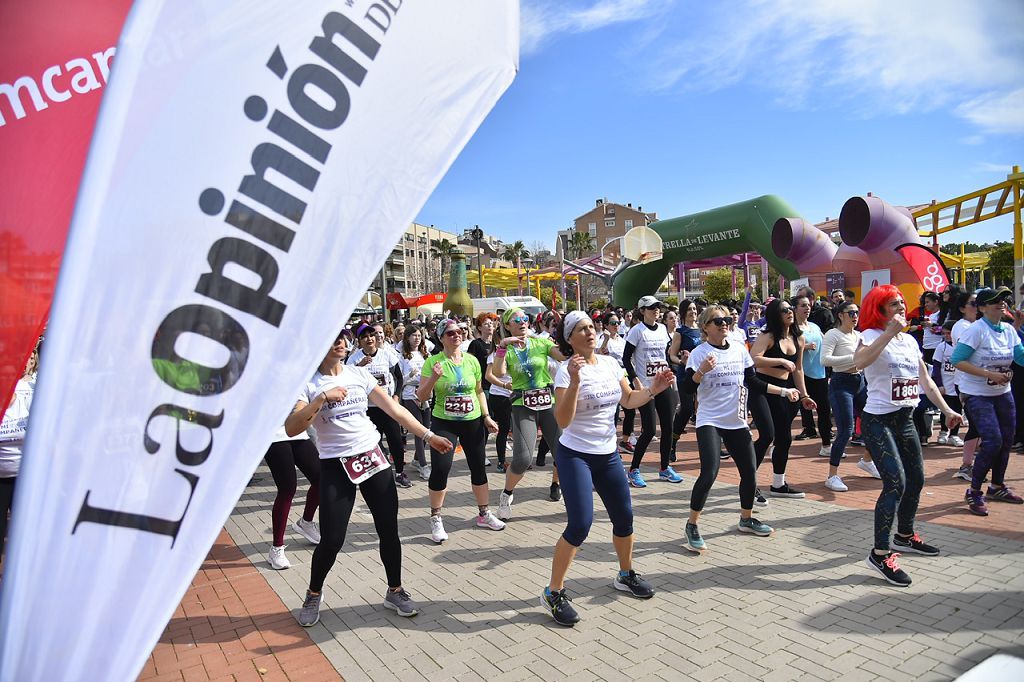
(530, 305)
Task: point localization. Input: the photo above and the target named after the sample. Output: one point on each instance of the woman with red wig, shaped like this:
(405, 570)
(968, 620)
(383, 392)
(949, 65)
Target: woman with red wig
(895, 371)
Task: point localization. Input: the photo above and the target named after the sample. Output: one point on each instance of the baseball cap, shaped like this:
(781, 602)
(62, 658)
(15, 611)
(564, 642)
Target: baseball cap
(986, 296)
(648, 302)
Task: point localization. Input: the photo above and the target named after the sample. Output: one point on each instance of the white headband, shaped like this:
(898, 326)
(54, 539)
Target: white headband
(571, 320)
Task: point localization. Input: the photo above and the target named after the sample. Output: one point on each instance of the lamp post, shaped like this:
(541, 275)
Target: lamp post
(527, 262)
(477, 235)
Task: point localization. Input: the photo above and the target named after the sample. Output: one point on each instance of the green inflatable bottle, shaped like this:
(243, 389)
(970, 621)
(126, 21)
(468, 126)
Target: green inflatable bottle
(458, 300)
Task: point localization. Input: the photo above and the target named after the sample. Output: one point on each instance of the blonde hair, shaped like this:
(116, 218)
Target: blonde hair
(707, 314)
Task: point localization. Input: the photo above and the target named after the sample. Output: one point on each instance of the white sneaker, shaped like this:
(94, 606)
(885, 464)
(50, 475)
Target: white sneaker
(956, 441)
(489, 520)
(308, 529)
(425, 472)
(505, 506)
(943, 438)
(437, 533)
(865, 465)
(632, 440)
(825, 451)
(835, 483)
(277, 560)
(487, 461)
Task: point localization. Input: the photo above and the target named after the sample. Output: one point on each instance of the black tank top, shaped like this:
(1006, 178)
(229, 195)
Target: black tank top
(776, 352)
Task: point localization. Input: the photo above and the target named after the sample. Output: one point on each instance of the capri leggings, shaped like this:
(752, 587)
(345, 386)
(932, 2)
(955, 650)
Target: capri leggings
(524, 435)
(895, 449)
(773, 417)
(422, 415)
(740, 447)
(996, 417)
(472, 436)
(392, 433)
(656, 413)
(282, 458)
(500, 407)
(581, 474)
(337, 495)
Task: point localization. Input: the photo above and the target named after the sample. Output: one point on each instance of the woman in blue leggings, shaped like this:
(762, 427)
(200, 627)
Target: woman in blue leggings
(587, 389)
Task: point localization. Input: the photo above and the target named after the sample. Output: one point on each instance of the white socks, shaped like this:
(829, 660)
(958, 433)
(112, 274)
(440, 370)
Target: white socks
(778, 480)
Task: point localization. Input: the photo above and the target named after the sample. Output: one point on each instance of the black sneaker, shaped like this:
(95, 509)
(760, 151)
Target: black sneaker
(759, 499)
(806, 434)
(858, 441)
(633, 583)
(555, 493)
(785, 491)
(890, 570)
(724, 455)
(560, 607)
(914, 543)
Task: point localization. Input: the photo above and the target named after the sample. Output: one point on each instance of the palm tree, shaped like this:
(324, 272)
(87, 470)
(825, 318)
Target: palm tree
(580, 243)
(515, 253)
(443, 249)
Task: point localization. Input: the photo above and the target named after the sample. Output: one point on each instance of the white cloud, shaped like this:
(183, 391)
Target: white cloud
(541, 20)
(989, 167)
(1000, 112)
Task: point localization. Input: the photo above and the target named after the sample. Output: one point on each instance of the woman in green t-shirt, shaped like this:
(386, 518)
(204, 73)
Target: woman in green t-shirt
(460, 414)
(525, 359)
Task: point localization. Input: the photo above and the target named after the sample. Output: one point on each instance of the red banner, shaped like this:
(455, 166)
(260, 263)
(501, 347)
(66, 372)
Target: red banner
(927, 265)
(431, 298)
(395, 301)
(55, 58)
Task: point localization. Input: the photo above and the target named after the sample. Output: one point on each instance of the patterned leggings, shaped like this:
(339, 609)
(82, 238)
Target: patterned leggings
(896, 450)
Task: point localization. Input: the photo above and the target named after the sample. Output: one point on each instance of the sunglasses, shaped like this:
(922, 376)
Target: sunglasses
(612, 323)
(852, 313)
(785, 309)
(520, 320)
(721, 321)
(972, 302)
(453, 332)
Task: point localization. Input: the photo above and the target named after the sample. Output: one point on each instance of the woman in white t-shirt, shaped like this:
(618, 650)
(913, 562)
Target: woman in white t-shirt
(721, 374)
(12, 438)
(645, 356)
(334, 403)
(413, 353)
(985, 355)
(894, 370)
(284, 455)
(587, 388)
(967, 306)
(612, 343)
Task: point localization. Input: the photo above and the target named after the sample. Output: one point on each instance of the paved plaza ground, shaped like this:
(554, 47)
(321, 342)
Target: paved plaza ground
(798, 605)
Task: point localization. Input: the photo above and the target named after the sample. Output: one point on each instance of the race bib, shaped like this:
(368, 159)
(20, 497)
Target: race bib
(538, 399)
(948, 367)
(654, 367)
(361, 467)
(382, 379)
(741, 411)
(1000, 370)
(458, 406)
(904, 388)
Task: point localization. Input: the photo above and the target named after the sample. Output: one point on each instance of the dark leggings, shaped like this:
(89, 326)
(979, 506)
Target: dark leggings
(773, 416)
(954, 404)
(662, 409)
(392, 433)
(628, 420)
(337, 495)
(896, 451)
(996, 417)
(6, 501)
(472, 436)
(740, 447)
(422, 415)
(687, 404)
(500, 407)
(282, 458)
(817, 389)
(581, 474)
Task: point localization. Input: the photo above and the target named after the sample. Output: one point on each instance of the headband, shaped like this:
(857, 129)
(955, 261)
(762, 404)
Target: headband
(443, 324)
(506, 317)
(571, 320)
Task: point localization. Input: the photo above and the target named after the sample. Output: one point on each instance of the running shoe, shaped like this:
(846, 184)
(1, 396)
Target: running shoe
(724, 455)
(489, 520)
(554, 493)
(425, 472)
(869, 467)
(277, 560)
(694, 542)
(858, 441)
(976, 502)
(636, 479)
(308, 529)
(914, 544)
(964, 472)
(825, 451)
(437, 533)
(1004, 494)
(309, 614)
(836, 484)
(668, 474)
(500, 468)
(558, 604)
(487, 461)
(1017, 447)
(889, 569)
(806, 434)
(505, 506)
(626, 445)
(634, 584)
(943, 439)
(754, 526)
(401, 603)
(402, 480)
(760, 499)
(956, 441)
(785, 491)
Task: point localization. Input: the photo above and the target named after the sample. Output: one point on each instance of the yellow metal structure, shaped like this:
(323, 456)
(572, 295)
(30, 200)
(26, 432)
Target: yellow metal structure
(508, 279)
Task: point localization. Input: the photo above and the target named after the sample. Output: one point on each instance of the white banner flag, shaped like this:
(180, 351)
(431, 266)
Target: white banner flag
(253, 166)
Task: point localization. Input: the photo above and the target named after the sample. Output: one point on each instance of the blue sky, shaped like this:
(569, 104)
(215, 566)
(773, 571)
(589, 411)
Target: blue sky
(684, 106)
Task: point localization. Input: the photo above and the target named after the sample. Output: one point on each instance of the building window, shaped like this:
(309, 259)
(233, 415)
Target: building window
(592, 229)
(629, 224)
(609, 223)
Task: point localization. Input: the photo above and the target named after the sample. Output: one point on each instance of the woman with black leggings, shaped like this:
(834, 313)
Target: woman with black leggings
(644, 357)
(283, 456)
(721, 374)
(334, 402)
(588, 387)
(684, 340)
(778, 358)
